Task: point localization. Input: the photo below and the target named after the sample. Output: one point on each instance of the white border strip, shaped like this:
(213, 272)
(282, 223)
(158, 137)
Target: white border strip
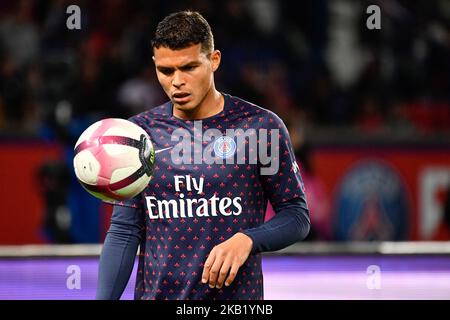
(301, 248)
(385, 248)
(70, 250)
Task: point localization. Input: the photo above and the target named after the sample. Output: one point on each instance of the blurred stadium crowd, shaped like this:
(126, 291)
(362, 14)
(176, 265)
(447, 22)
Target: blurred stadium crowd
(317, 67)
(314, 62)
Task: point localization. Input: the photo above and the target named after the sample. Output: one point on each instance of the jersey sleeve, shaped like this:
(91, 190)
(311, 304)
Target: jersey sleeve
(290, 224)
(134, 203)
(279, 172)
(119, 251)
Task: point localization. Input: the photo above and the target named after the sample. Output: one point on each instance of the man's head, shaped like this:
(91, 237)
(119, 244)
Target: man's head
(184, 29)
(185, 59)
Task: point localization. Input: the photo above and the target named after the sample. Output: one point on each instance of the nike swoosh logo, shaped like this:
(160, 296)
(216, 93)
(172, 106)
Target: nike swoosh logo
(161, 150)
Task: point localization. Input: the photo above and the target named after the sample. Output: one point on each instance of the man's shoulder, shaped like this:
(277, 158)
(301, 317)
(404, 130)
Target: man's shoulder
(161, 111)
(263, 114)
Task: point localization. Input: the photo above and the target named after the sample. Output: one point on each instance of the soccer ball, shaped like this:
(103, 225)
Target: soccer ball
(114, 159)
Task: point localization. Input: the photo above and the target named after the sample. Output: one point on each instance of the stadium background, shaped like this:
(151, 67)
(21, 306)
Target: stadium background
(368, 111)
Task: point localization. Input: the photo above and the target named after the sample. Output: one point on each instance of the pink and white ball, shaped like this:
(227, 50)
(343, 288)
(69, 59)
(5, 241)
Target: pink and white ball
(114, 159)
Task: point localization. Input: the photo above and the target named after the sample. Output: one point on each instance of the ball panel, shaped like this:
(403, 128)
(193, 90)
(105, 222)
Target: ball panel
(87, 134)
(122, 173)
(125, 130)
(134, 188)
(86, 167)
(119, 149)
(110, 163)
(102, 196)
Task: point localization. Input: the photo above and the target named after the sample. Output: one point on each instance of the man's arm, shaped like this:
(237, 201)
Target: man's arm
(290, 225)
(119, 252)
(285, 190)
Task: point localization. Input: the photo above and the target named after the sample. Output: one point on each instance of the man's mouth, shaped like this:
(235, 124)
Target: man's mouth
(181, 97)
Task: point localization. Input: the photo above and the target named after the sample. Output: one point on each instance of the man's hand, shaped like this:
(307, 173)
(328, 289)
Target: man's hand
(226, 257)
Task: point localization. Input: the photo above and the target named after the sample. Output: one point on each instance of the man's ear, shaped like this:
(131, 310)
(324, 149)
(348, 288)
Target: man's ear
(215, 59)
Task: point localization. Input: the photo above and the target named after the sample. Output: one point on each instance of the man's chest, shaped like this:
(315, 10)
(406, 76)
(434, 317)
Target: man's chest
(200, 173)
(201, 157)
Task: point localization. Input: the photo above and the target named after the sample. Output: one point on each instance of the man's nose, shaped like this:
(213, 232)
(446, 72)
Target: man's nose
(178, 79)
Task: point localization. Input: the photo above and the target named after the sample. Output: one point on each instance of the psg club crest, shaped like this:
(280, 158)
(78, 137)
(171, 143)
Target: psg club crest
(372, 204)
(224, 147)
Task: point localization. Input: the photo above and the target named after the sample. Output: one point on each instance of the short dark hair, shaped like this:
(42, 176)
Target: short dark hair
(183, 29)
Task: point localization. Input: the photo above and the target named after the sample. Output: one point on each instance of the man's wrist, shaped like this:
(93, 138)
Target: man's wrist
(247, 240)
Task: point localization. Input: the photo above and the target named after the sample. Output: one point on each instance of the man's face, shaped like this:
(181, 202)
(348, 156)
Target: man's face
(186, 75)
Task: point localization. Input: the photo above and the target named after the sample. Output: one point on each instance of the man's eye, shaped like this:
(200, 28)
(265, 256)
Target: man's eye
(166, 71)
(189, 68)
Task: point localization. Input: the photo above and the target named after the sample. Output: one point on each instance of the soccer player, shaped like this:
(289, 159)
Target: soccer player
(200, 221)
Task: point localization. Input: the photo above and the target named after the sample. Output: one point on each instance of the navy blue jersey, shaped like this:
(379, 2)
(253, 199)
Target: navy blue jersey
(190, 206)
